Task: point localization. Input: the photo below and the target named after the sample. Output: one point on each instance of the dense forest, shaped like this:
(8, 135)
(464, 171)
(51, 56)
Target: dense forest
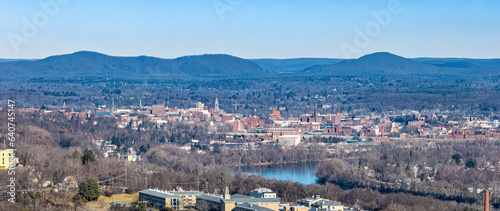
(293, 95)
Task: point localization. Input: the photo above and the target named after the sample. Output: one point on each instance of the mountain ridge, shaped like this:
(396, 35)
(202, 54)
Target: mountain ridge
(93, 64)
(88, 64)
(387, 64)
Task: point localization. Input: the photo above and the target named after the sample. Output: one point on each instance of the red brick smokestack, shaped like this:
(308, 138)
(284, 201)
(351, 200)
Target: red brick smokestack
(315, 112)
(486, 200)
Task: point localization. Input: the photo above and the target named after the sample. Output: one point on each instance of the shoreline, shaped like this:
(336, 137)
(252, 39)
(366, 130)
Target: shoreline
(271, 163)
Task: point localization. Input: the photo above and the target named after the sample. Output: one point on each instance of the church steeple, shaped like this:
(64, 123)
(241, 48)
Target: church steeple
(216, 105)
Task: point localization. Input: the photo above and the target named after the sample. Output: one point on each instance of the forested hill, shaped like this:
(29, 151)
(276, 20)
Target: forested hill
(85, 64)
(387, 64)
(89, 65)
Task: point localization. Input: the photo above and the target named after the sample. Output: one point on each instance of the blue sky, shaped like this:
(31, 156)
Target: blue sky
(251, 28)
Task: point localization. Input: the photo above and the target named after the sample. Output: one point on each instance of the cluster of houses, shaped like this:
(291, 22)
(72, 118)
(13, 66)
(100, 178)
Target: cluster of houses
(109, 149)
(6, 162)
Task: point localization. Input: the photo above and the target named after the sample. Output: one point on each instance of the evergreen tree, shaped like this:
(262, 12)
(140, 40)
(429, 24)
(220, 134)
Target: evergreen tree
(89, 189)
(457, 158)
(88, 156)
(471, 163)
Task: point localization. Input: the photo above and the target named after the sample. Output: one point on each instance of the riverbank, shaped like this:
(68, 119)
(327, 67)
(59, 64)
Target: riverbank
(271, 163)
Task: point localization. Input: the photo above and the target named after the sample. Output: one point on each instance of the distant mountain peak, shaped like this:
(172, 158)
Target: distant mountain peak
(78, 54)
(86, 53)
(380, 63)
(381, 55)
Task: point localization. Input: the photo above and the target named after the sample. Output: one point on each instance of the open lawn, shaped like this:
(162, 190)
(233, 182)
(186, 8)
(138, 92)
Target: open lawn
(102, 203)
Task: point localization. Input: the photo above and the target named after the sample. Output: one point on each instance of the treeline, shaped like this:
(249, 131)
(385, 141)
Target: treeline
(61, 94)
(68, 133)
(297, 95)
(171, 156)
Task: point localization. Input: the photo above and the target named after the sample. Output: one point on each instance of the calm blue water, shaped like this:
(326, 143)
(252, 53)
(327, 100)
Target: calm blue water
(296, 172)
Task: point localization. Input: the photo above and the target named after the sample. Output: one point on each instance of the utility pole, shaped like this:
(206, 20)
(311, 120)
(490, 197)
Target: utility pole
(126, 182)
(111, 177)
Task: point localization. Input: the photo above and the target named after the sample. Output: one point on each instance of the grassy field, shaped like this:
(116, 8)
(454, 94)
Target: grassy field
(103, 202)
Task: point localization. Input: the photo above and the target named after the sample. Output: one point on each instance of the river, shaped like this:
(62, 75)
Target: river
(296, 172)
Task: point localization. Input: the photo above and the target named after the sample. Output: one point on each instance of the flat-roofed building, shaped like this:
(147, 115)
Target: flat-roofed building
(286, 136)
(289, 140)
(159, 199)
(210, 201)
(188, 198)
(159, 109)
(230, 202)
(6, 160)
(178, 200)
(316, 202)
(238, 199)
(251, 207)
(296, 208)
(262, 193)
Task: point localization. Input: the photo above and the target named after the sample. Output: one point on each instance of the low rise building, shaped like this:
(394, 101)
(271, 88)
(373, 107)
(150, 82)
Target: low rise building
(250, 207)
(286, 136)
(319, 203)
(159, 199)
(262, 193)
(6, 159)
(69, 182)
(177, 200)
(229, 202)
(187, 198)
(296, 208)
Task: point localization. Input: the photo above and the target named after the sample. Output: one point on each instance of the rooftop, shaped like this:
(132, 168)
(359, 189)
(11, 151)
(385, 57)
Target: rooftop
(238, 198)
(326, 202)
(253, 207)
(187, 193)
(263, 190)
(318, 201)
(209, 197)
(159, 193)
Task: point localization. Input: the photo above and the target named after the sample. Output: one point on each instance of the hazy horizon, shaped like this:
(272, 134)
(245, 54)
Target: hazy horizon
(424, 57)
